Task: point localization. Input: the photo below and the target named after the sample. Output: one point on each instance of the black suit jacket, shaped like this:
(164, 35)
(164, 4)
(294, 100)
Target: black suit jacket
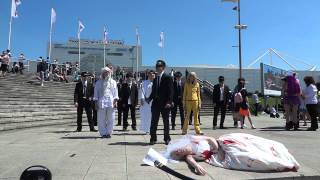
(216, 94)
(164, 94)
(177, 92)
(119, 86)
(78, 92)
(127, 93)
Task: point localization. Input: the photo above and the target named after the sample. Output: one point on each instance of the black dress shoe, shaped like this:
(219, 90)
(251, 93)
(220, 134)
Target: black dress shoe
(108, 136)
(166, 142)
(152, 142)
(118, 124)
(173, 128)
(124, 128)
(311, 129)
(78, 130)
(93, 130)
(104, 136)
(134, 128)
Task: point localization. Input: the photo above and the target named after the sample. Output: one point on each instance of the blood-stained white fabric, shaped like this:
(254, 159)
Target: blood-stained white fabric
(252, 153)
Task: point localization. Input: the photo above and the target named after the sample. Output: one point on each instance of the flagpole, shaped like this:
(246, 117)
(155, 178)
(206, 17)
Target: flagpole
(50, 43)
(104, 54)
(137, 49)
(239, 38)
(10, 30)
(162, 53)
(137, 61)
(79, 51)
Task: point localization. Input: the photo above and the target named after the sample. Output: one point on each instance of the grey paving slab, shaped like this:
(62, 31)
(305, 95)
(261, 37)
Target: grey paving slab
(74, 155)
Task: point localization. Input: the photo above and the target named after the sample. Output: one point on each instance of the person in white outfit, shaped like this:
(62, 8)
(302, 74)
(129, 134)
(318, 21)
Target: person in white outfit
(105, 97)
(145, 108)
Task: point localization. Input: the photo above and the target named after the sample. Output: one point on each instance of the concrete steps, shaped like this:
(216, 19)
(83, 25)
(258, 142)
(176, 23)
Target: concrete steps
(25, 104)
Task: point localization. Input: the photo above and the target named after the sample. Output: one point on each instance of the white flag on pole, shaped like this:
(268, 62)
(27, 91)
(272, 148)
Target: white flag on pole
(138, 37)
(234, 1)
(53, 16)
(105, 36)
(80, 29)
(14, 5)
(161, 43)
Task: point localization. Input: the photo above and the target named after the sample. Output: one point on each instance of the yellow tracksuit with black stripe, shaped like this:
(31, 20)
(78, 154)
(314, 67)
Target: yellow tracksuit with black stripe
(192, 102)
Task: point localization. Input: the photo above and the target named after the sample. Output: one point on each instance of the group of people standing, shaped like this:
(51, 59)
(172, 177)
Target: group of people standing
(294, 96)
(162, 94)
(99, 99)
(17, 66)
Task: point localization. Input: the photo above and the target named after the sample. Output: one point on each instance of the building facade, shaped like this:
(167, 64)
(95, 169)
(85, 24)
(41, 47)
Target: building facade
(92, 54)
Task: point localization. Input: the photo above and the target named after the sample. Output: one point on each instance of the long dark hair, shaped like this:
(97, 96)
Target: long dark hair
(309, 80)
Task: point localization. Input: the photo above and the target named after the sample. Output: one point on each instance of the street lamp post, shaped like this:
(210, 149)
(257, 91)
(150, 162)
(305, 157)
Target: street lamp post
(239, 31)
(239, 26)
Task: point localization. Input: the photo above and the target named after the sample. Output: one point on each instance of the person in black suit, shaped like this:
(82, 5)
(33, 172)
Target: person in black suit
(83, 95)
(162, 96)
(129, 100)
(119, 107)
(177, 100)
(221, 98)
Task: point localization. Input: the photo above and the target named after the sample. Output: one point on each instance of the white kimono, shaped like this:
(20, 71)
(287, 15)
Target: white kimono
(145, 109)
(252, 153)
(105, 92)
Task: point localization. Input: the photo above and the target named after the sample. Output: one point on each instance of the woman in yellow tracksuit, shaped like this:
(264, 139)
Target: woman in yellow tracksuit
(191, 102)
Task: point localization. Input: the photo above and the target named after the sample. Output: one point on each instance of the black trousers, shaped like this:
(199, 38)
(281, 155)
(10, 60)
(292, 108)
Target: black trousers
(86, 105)
(313, 112)
(220, 106)
(119, 113)
(94, 115)
(126, 113)
(156, 110)
(256, 109)
(174, 114)
(21, 67)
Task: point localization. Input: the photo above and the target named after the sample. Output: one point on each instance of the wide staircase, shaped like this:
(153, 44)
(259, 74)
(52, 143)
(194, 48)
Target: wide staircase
(25, 104)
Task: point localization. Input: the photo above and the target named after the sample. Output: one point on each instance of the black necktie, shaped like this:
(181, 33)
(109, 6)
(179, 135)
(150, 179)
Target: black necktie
(158, 85)
(85, 91)
(158, 81)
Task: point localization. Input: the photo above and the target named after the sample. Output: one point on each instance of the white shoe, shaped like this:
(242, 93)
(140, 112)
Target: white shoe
(253, 127)
(244, 125)
(41, 84)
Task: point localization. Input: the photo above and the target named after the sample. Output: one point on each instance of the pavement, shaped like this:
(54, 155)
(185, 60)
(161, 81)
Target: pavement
(84, 155)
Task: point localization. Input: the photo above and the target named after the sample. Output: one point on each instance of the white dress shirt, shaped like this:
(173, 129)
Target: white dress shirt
(222, 93)
(129, 100)
(310, 94)
(159, 76)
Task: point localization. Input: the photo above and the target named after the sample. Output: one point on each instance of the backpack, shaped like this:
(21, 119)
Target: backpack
(238, 97)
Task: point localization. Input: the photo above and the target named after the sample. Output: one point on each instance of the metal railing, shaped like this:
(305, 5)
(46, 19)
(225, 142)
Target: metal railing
(206, 86)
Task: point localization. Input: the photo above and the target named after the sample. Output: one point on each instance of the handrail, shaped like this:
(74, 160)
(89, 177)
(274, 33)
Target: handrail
(206, 85)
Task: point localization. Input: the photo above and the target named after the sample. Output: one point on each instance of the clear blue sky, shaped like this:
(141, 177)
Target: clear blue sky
(196, 31)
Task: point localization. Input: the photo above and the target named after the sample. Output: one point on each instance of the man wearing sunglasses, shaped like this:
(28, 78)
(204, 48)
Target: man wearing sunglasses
(162, 96)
